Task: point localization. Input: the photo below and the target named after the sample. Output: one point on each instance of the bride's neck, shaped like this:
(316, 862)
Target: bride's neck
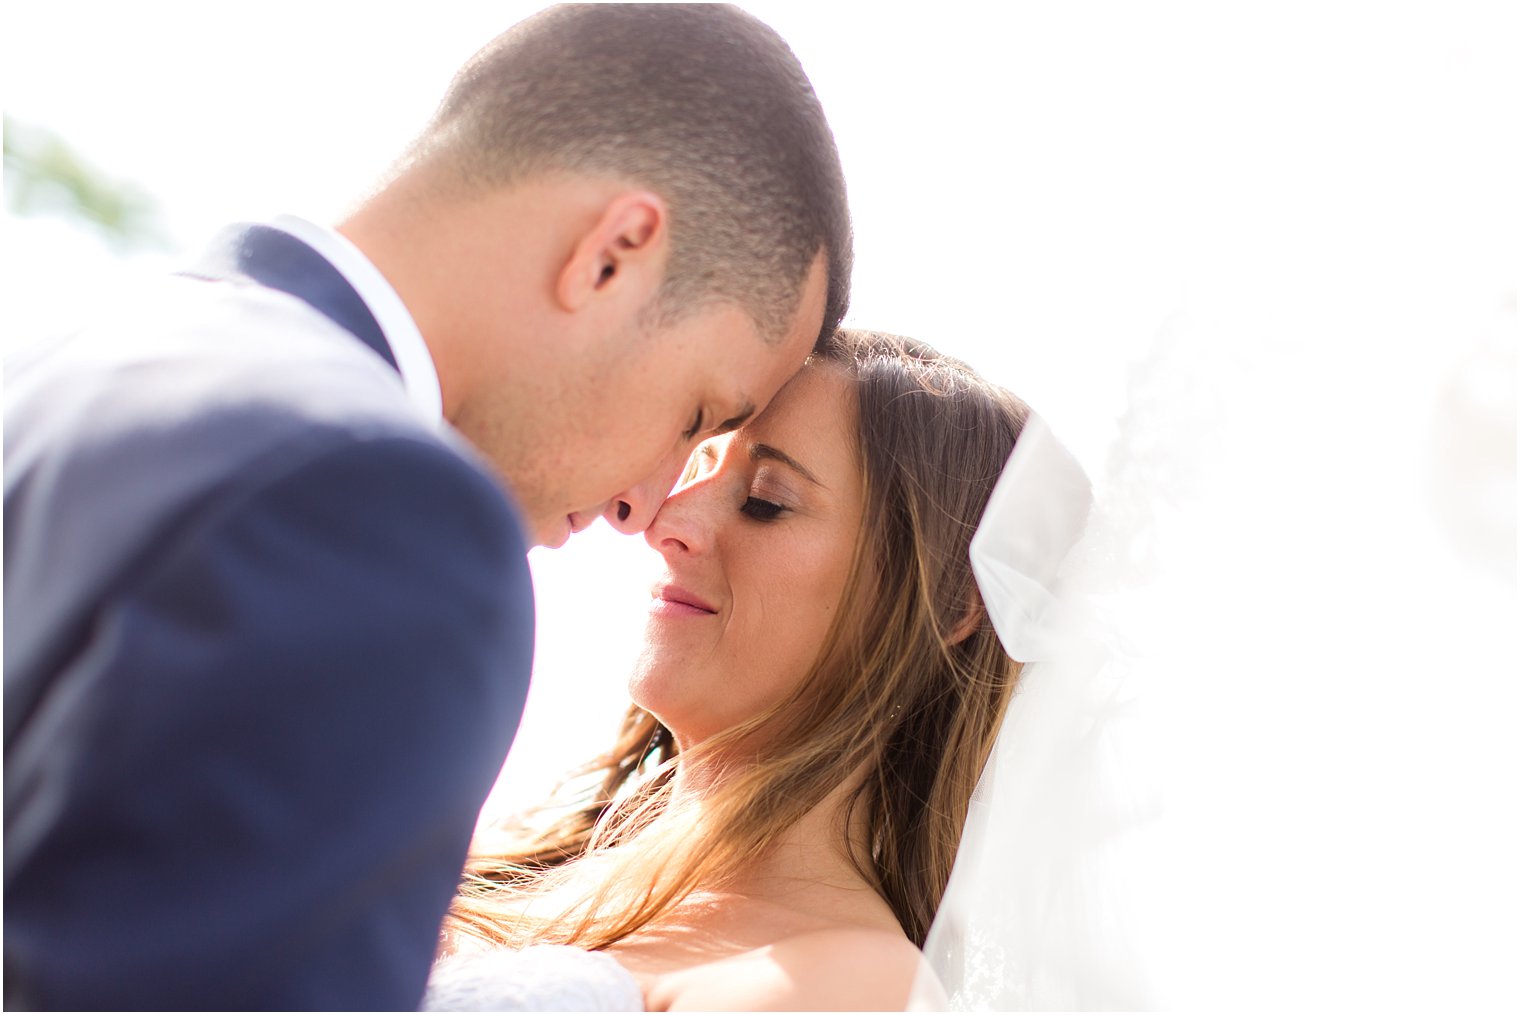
(814, 848)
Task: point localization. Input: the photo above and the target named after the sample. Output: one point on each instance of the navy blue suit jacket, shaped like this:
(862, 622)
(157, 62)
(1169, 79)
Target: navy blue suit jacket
(267, 640)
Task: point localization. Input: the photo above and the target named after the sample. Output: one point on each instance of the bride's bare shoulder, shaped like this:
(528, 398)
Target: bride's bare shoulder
(838, 969)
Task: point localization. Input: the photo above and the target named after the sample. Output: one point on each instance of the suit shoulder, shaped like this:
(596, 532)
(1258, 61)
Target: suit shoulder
(427, 490)
(163, 425)
(190, 362)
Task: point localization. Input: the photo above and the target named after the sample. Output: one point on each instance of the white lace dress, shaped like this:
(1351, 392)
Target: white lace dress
(540, 978)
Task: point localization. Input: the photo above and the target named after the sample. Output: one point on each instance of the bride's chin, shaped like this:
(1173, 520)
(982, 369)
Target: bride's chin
(690, 694)
(668, 708)
(649, 686)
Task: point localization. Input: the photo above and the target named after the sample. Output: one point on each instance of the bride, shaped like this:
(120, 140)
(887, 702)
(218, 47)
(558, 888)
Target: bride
(819, 690)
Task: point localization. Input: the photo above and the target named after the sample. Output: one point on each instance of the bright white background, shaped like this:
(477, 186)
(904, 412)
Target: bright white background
(1303, 216)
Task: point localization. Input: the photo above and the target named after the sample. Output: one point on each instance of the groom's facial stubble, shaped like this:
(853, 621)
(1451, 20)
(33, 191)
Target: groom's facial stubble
(610, 430)
(537, 303)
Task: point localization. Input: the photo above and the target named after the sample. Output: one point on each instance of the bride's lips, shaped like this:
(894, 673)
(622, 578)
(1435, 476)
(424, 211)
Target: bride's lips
(674, 601)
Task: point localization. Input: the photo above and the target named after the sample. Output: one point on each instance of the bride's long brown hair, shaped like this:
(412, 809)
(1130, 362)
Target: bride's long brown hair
(909, 687)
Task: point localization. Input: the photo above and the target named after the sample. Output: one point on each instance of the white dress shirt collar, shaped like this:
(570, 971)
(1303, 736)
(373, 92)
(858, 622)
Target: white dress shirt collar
(418, 374)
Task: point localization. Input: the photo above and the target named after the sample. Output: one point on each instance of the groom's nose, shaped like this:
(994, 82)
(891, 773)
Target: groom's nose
(632, 510)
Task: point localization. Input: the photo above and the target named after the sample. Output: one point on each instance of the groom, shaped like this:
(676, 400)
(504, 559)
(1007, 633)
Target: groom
(268, 621)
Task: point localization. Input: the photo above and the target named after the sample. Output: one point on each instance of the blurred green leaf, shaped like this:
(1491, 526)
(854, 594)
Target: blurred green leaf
(45, 176)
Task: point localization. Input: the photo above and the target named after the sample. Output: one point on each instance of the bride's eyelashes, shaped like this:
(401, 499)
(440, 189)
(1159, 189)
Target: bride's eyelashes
(695, 428)
(761, 510)
(705, 459)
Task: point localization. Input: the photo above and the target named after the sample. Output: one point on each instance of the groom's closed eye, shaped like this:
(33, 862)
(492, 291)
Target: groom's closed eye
(697, 429)
(735, 422)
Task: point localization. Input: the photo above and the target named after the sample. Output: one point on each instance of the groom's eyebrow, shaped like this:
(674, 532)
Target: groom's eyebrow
(759, 451)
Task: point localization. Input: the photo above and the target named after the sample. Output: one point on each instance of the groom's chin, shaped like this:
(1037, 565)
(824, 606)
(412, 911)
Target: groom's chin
(554, 534)
(549, 531)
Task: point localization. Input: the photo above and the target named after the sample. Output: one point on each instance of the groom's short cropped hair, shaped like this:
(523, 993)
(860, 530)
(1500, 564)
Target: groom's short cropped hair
(702, 104)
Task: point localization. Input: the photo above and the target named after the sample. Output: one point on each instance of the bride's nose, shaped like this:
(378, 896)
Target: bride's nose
(684, 524)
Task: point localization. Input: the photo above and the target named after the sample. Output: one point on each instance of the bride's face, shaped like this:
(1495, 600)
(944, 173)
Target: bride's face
(757, 543)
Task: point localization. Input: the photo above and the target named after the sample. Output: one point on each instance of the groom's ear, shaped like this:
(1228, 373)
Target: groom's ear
(621, 256)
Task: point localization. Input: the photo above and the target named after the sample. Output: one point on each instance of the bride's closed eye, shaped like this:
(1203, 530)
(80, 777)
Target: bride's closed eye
(762, 510)
(705, 458)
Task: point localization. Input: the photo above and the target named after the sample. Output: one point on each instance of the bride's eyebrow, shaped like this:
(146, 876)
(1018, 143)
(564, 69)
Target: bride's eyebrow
(759, 451)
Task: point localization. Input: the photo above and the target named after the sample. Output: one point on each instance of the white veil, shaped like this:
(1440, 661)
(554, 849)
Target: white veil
(1290, 610)
(1020, 926)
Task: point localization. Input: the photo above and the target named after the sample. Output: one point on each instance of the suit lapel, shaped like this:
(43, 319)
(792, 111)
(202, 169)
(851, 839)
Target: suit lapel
(280, 261)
